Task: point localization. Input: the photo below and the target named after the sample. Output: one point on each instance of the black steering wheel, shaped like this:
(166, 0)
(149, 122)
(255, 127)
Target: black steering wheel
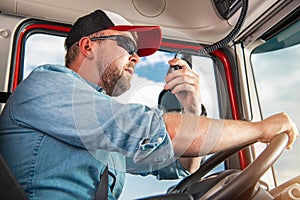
(225, 187)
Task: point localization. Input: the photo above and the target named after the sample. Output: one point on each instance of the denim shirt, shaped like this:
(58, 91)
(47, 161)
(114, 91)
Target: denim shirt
(58, 132)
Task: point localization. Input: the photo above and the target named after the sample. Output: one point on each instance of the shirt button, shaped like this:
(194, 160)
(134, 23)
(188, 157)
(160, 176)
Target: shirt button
(159, 139)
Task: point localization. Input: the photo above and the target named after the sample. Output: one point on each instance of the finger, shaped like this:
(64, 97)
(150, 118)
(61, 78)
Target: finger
(291, 142)
(193, 81)
(183, 88)
(293, 135)
(184, 72)
(180, 62)
(185, 69)
(181, 73)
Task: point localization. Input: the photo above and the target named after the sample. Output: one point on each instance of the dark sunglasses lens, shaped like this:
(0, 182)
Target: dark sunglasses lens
(127, 44)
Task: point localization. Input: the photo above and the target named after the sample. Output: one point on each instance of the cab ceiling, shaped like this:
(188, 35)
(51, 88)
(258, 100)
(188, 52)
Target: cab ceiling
(191, 20)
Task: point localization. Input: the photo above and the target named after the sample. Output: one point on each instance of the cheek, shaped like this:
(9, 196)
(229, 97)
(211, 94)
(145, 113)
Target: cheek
(113, 53)
(112, 57)
(118, 59)
(116, 63)
(117, 66)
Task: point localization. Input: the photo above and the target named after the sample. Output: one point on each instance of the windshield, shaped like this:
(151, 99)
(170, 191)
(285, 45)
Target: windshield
(277, 72)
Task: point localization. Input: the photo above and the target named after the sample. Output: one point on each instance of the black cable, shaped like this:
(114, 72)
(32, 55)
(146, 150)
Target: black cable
(231, 35)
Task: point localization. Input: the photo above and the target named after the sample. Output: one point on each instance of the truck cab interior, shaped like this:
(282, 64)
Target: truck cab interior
(245, 51)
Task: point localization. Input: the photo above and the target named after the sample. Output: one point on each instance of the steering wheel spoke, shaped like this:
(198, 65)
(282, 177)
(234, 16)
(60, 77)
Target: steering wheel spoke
(228, 188)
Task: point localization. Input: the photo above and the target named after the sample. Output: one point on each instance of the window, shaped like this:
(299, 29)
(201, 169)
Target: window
(276, 70)
(148, 81)
(43, 49)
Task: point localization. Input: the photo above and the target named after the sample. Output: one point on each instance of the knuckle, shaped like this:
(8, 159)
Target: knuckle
(184, 79)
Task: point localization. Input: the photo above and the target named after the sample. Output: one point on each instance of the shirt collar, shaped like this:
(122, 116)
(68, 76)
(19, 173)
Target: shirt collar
(96, 87)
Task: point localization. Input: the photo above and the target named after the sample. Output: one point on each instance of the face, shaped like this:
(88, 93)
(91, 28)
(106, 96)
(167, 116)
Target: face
(115, 65)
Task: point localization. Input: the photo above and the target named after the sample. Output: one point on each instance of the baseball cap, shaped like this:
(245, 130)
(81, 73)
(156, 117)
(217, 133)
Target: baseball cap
(149, 37)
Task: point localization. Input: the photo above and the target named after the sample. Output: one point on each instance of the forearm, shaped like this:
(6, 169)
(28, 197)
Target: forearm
(234, 133)
(197, 136)
(191, 164)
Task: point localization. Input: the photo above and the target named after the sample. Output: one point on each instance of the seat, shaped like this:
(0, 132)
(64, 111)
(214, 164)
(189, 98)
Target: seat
(168, 102)
(9, 186)
(4, 96)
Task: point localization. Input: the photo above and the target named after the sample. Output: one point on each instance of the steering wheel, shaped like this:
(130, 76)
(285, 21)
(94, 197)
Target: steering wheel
(224, 186)
(251, 174)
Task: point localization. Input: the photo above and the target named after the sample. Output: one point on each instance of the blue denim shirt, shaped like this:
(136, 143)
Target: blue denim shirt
(58, 132)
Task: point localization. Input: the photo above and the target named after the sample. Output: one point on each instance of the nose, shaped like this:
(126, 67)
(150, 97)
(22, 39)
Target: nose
(134, 58)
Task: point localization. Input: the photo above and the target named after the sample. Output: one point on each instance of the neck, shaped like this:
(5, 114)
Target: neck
(87, 71)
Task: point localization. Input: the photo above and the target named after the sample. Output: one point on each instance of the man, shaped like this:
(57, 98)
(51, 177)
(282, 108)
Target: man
(61, 127)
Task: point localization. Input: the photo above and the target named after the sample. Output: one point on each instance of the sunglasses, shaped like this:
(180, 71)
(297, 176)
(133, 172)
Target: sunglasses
(122, 41)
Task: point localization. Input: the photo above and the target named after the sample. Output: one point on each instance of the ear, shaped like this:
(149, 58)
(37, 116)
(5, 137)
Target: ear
(85, 46)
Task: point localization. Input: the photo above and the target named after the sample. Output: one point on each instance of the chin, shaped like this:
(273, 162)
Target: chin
(120, 90)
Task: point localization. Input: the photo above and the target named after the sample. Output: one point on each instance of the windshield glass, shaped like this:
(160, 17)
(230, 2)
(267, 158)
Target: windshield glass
(277, 77)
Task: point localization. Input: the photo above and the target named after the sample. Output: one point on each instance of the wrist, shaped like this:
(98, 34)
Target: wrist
(199, 111)
(260, 131)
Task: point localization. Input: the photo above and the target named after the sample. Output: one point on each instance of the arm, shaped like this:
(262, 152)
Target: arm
(230, 133)
(184, 84)
(197, 136)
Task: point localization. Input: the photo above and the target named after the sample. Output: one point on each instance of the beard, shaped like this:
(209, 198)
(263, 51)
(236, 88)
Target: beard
(116, 81)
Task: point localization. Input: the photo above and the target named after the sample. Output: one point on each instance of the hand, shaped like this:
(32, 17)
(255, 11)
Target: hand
(276, 124)
(184, 83)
